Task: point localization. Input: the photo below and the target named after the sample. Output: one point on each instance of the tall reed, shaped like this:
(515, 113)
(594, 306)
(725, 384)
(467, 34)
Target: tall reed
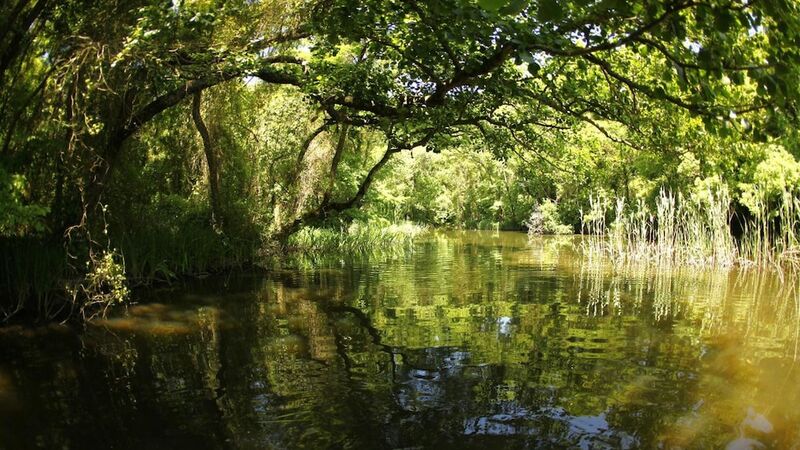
(771, 238)
(677, 231)
(690, 231)
(32, 270)
(358, 237)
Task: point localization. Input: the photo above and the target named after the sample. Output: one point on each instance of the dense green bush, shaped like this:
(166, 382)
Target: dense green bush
(545, 220)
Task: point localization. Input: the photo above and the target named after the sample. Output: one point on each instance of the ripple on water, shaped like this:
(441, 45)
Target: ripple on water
(158, 319)
(292, 344)
(134, 325)
(442, 348)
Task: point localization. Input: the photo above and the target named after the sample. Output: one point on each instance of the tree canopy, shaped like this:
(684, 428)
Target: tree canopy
(107, 103)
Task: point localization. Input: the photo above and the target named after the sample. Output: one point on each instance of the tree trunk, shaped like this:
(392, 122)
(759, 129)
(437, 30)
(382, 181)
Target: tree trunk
(212, 159)
(328, 207)
(337, 158)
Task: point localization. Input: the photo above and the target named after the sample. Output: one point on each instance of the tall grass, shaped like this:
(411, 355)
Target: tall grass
(163, 254)
(358, 237)
(771, 238)
(175, 237)
(690, 231)
(32, 270)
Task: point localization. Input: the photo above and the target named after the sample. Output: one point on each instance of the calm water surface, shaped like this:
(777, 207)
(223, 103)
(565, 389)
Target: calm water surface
(474, 340)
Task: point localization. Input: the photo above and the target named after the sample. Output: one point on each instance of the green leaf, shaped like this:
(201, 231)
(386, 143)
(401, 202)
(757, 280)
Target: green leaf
(724, 20)
(705, 57)
(491, 5)
(514, 7)
(659, 92)
(678, 29)
(736, 78)
(549, 10)
(526, 57)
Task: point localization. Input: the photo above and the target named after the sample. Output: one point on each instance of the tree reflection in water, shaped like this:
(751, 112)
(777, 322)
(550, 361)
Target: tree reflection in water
(473, 341)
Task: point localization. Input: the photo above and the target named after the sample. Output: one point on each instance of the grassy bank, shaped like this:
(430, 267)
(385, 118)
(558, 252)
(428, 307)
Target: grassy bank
(43, 280)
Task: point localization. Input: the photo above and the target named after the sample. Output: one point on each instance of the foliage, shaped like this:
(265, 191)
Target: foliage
(189, 135)
(775, 176)
(104, 285)
(545, 220)
(16, 217)
(358, 237)
(457, 187)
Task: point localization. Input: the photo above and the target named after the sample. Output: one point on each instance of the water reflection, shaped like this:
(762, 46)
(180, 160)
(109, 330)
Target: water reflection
(473, 341)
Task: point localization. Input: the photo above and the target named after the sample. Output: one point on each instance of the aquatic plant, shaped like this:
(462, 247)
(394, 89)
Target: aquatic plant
(678, 230)
(31, 271)
(693, 231)
(358, 237)
(771, 238)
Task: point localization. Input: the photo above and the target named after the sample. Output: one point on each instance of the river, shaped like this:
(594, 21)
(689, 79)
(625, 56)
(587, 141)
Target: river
(471, 340)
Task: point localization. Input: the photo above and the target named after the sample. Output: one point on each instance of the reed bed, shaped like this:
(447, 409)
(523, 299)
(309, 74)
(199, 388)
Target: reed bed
(358, 237)
(691, 232)
(32, 270)
(771, 238)
(163, 255)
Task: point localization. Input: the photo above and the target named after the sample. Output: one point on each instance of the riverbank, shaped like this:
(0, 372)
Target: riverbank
(41, 281)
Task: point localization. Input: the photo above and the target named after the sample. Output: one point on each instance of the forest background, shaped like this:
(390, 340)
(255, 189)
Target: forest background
(146, 140)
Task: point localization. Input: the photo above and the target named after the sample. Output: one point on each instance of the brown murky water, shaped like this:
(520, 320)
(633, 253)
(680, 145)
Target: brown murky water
(474, 340)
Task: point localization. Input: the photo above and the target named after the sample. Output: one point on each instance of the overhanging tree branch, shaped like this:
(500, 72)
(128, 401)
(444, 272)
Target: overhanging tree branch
(697, 108)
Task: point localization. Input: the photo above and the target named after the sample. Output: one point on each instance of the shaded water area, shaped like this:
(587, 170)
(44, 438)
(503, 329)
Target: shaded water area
(473, 340)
